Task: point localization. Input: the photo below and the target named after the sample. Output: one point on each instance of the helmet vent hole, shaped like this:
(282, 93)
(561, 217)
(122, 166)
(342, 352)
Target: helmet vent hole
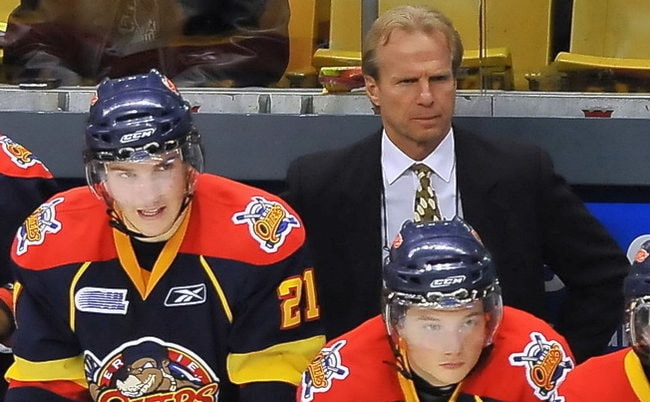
(165, 127)
(106, 138)
(132, 116)
(410, 279)
(443, 261)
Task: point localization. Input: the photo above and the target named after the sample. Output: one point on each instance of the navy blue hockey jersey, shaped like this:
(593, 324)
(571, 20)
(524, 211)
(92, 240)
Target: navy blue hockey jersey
(228, 312)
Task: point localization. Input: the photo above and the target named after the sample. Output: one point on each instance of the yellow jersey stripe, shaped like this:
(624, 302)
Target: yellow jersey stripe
(70, 369)
(284, 362)
(217, 288)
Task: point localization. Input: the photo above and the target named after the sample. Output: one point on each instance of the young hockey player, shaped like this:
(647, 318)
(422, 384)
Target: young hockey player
(444, 334)
(157, 282)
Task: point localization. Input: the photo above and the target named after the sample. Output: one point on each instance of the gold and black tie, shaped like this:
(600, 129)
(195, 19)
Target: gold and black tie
(426, 203)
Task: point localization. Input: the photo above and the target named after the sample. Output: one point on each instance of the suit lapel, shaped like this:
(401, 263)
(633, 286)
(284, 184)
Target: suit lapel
(361, 191)
(484, 205)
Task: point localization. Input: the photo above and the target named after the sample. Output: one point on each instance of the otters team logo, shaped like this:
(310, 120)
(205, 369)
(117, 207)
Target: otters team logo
(546, 363)
(37, 225)
(150, 370)
(268, 222)
(18, 154)
(323, 370)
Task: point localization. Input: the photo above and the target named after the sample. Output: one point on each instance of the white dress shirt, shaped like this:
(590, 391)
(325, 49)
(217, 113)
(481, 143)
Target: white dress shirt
(400, 184)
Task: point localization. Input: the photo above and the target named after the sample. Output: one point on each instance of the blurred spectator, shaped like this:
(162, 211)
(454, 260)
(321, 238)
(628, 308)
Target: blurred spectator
(231, 43)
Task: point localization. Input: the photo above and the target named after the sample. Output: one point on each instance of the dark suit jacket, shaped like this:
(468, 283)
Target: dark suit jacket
(525, 213)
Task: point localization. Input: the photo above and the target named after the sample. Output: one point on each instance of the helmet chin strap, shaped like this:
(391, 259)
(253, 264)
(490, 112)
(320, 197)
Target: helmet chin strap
(118, 223)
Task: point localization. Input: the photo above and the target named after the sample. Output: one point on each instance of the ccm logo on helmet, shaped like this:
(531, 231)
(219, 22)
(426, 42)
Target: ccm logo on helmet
(126, 138)
(452, 280)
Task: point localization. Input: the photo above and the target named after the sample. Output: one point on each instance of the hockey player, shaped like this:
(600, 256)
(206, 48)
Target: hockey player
(444, 334)
(621, 375)
(25, 183)
(157, 282)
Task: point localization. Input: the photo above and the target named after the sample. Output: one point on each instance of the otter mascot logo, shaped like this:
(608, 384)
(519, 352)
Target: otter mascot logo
(149, 370)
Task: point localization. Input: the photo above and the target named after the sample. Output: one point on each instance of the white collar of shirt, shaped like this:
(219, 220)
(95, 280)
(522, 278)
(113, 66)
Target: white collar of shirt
(400, 184)
(395, 162)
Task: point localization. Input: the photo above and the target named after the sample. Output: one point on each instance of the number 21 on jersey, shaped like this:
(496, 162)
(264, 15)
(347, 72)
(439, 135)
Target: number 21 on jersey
(291, 292)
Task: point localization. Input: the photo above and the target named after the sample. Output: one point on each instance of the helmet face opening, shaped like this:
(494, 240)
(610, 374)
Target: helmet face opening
(147, 195)
(638, 327)
(398, 305)
(189, 153)
(441, 345)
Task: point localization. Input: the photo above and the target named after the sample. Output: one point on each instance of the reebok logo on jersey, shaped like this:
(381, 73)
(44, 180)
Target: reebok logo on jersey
(101, 300)
(185, 295)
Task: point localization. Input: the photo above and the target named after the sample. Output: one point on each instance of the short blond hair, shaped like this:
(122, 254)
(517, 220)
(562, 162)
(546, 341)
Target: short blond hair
(410, 19)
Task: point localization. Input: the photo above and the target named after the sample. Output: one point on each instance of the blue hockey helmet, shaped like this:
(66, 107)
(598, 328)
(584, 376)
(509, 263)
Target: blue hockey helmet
(440, 265)
(137, 117)
(636, 288)
(141, 112)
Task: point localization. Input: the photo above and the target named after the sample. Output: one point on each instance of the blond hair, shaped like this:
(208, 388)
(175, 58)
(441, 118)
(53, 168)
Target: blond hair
(410, 19)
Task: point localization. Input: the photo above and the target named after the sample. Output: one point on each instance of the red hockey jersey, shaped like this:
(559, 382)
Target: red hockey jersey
(617, 376)
(227, 313)
(527, 363)
(25, 183)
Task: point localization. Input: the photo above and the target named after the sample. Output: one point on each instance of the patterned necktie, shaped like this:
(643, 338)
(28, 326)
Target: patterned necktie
(426, 203)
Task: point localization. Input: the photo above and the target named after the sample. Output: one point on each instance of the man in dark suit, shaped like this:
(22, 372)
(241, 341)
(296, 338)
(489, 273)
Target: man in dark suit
(353, 200)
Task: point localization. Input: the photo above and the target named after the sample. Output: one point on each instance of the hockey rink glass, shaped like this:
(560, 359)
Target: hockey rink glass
(639, 310)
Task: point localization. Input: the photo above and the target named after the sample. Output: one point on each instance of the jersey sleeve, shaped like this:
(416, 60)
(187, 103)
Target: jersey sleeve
(48, 363)
(25, 183)
(276, 329)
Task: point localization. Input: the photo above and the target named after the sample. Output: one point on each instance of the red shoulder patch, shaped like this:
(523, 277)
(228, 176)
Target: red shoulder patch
(18, 161)
(70, 227)
(244, 223)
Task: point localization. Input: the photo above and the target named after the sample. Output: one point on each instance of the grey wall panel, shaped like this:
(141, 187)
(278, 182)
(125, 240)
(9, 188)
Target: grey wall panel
(260, 146)
(585, 151)
(243, 147)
